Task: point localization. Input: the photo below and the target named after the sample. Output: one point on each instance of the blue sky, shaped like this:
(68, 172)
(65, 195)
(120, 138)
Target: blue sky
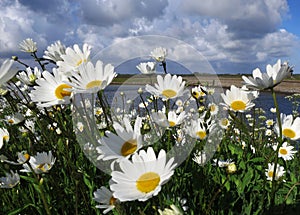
(235, 36)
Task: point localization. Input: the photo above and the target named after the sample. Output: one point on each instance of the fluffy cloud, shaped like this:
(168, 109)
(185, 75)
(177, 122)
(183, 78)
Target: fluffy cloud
(232, 35)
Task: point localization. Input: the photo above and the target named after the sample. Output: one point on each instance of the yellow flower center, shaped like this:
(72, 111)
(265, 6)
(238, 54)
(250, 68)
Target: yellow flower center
(238, 105)
(147, 182)
(42, 167)
(224, 122)
(270, 174)
(80, 62)
(6, 138)
(169, 93)
(11, 121)
(93, 84)
(283, 151)
(201, 134)
(128, 147)
(172, 124)
(112, 201)
(26, 156)
(60, 91)
(287, 132)
(212, 108)
(196, 94)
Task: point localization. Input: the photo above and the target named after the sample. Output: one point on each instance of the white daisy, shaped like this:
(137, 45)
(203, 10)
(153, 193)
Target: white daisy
(28, 45)
(10, 180)
(14, 119)
(28, 77)
(171, 120)
(142, 178)
(224, 123)
(55, 51)
(125, 143)
(4, 136)
(173, 211)
(159, 54)
(199, 129)
(213, 109)
(237, 99)
(223, 163)
(74, 58)
(6, 73)
(269, 123)
(90, 79)
(40, 163)
(106, 199)
(167, 87)
(275, 74)
(290, 126)
(51, 90)
(285, 151)
(147, 68)
(198, 91)
(270, 171)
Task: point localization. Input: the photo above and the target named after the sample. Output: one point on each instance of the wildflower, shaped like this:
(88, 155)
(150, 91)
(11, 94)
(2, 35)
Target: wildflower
(90, 79)
(273, 110)
(199, 129)
(146, 68)
(269, 123)
(285, 151)
(14, 119)
(171, 120)
(200, 157)
(237, 100)
(224, 123)
(28, 45)
(55, 51)
(159, 54)
(125, 143)
(51, 90)
(168, 87)
(198, 91)
(231, 168)
(274, 76)
(290, 127)
(106, 199)
(29, 77)
(40, 163)
(173, 211)
(223, 163)
(10, 180)
(4, 136)
(268, 132)
(213, 108)
(142, 178)
(74, 58)
(270, 171)
(6, 73)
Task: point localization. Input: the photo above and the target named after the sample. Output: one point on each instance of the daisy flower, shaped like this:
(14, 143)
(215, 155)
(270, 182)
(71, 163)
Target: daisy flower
(269, 123)
(14, 119)
(159, 54)
(4, 136)
(106, 199)
(200, 157)
(74, 58)
(290, 127)
(198, 91)
(275, 74)
(10, 180)
(270, 171)
(5, 71)
(41, 163)
(224, 123)
(237, 99)
(171, 120)
(147, 68)
(213, 108)
(173, 210)
(28, 77)
(142, 178)
(285, 151)
(167, 87)
(28, 45)
(55, 51)
(127, 141)
(199, 129)
(90, 79)
(51, 90)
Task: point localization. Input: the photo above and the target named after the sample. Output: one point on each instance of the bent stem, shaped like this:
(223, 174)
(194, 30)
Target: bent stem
(273, 191)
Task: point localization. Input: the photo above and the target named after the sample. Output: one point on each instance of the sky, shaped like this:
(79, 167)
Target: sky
(234, 36)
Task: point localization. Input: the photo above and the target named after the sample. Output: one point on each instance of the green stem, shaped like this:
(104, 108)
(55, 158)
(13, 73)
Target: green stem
(273, 191)
(41, 190)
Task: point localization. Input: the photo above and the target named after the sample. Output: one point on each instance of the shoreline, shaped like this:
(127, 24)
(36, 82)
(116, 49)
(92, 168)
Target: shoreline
(288, 86)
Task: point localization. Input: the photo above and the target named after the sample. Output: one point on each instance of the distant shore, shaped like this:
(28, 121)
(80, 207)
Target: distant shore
(291, 85)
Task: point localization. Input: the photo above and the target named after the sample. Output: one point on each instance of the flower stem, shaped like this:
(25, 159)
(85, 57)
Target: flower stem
(273, 191)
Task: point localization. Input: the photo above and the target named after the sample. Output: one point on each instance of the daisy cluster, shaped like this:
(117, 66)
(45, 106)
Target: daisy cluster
(175, 141)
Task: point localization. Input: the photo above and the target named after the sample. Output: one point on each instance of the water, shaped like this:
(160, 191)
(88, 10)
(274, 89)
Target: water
(264, 101)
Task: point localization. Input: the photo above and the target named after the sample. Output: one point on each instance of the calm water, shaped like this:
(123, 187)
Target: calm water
(264, 100)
